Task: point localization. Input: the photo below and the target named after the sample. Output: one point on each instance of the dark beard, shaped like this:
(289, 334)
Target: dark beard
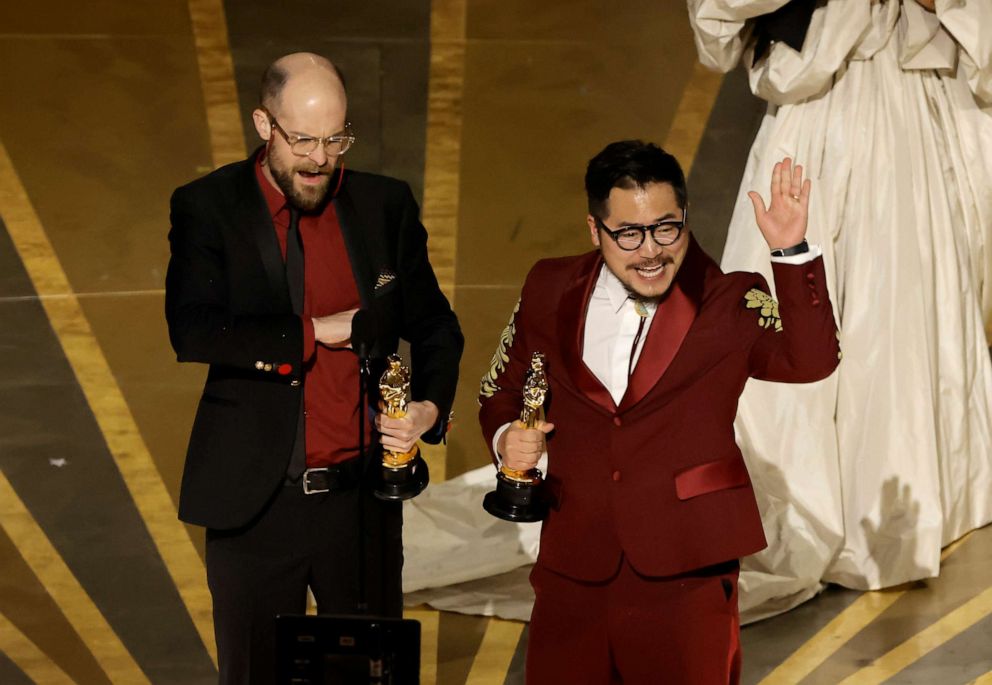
(304, 201)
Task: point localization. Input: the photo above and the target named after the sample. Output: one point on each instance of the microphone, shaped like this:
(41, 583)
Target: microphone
(364, 331)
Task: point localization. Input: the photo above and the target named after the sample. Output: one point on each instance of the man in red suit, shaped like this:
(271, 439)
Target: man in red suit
(648, 347)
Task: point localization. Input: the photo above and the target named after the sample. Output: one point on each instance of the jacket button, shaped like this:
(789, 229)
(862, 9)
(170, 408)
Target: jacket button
(617, 421)
(810, 277)
(616, 476)
(815, 301)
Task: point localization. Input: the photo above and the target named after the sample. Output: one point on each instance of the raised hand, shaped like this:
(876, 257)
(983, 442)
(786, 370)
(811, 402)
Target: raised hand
(783, 223)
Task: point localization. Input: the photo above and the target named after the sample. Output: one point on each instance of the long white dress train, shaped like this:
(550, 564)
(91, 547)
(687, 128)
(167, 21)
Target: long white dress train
(864, 477)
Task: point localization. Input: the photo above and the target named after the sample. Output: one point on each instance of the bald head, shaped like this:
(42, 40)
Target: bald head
(302, 116)
(299, 72)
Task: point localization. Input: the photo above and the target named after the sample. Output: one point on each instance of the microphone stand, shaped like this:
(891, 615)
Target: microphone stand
(364, 374)
(363, 337)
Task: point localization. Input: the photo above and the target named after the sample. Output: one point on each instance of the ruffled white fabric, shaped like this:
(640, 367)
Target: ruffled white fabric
(457, 557)
(863, 477)
(449, 538)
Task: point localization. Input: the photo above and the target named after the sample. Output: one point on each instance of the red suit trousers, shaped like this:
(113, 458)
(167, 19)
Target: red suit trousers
(635, 630)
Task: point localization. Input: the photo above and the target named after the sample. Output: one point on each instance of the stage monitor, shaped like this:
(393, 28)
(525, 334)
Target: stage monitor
(347, 650)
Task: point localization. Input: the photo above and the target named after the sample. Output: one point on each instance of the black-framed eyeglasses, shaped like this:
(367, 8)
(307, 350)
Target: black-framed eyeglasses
(335, 144)
(630, 238)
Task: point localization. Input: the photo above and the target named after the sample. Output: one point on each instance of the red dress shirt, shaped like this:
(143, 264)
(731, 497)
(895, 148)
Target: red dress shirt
(330, 376)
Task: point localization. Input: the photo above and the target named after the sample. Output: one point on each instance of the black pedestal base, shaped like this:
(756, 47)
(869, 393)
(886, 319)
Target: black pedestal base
(405, 482)
(516, 501)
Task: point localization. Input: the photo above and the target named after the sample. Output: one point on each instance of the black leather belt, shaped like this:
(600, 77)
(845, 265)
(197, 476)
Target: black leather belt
(343, 476)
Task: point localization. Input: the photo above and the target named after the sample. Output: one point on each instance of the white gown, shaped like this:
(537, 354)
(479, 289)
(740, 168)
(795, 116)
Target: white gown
(863, 477)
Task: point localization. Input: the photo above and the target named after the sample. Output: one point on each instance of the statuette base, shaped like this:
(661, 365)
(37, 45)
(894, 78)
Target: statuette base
(403, 482)
(517, 501)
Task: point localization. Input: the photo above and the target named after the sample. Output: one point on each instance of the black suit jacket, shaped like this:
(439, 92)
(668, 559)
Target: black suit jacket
(227, 305)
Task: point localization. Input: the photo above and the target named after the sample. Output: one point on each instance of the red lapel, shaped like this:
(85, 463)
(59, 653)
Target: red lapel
(669, 327)
(571, 329)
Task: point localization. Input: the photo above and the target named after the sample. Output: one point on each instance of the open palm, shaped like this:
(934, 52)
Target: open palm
(783, 222)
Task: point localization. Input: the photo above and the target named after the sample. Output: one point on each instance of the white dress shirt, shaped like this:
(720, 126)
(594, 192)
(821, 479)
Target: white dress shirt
(612, 322)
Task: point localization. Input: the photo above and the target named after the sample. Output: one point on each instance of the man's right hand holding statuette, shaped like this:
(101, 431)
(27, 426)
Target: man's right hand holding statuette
(523, 443)
(517, 496)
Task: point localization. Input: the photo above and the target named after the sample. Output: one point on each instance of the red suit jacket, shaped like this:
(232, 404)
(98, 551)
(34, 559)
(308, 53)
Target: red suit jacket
(659, 478)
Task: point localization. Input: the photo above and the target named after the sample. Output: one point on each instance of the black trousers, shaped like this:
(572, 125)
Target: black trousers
(299, 540)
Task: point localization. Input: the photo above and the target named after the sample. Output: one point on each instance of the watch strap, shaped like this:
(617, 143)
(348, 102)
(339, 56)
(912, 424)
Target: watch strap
(790, 251)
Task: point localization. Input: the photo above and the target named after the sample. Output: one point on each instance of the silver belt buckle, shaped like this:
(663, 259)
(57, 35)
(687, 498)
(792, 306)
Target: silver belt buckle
(307, 490)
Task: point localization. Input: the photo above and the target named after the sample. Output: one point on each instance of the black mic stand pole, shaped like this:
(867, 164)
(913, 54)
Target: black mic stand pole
(364, 373)
(363, 336)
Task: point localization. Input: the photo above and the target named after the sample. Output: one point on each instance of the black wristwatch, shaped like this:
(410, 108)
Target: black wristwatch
(790, 251)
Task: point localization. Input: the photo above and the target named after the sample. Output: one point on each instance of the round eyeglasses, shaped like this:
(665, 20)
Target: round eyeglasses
(335, 144)
(629, 238)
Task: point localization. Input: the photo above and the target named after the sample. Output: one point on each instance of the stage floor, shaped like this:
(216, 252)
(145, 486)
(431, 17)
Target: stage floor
(490, 109)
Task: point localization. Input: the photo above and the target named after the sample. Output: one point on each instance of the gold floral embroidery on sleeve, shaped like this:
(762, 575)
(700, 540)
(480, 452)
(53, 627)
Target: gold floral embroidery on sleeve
(767, 309)
(488, 387)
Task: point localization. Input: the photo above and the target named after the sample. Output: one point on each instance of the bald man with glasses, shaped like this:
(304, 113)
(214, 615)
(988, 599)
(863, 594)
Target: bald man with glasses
(271, 259)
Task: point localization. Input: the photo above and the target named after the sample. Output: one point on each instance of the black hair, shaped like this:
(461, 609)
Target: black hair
(631, 164)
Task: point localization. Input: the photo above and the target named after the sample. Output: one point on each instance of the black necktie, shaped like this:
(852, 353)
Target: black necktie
(294, 261)
(296, 282)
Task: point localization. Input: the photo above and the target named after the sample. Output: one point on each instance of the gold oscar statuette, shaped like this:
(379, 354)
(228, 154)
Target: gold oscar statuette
(518, 495)
(404, 474)
(535, 392)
